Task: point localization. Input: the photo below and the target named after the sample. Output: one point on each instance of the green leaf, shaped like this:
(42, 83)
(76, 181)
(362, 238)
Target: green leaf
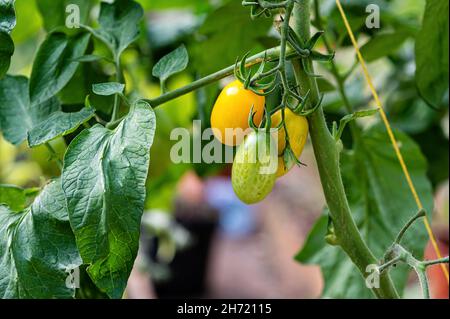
(89, 58)
(432, 54)
(7, 23)
(119, 25)
(37, 248)
(17, 114)
(381, 203)
(54, 65)
(75, 92)
(7, 15)
(6, 52)
(12, 196)
(173, 63)
(104, 182)
(107, 89)
(383, 45)
(54, 12)
(352, 117)
(58, 124)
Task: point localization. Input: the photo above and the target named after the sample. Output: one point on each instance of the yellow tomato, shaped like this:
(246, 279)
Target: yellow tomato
(297, 127)
(232, 110)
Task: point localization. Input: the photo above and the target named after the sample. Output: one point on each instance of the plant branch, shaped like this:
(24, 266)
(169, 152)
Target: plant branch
(420, 214)
(390, 263)
(272, 54)
(398, 253)
(427, 263)
(116, 97)
(327, 157)
(423, 282)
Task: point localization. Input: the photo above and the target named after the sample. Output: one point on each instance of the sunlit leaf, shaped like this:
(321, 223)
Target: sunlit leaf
(173, 63)
(58, 124)
(119, 24)
(107, 89)
(54, 65)
(17, 114)
(104, 181)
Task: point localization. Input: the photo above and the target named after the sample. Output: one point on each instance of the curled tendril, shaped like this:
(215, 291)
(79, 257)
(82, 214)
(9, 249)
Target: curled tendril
(303, 112)
(251, 119)
(250, 80)
(268, 120)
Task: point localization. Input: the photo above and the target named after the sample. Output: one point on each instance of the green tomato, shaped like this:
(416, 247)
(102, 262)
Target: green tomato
(254, 169)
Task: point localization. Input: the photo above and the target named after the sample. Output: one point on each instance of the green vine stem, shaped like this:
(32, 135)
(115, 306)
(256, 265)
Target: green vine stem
(119, 79)
(327, 156)
(398, 254)
(269, 55)
(427, 263)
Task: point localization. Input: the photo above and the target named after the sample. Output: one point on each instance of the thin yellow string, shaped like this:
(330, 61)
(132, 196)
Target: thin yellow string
(391, 135)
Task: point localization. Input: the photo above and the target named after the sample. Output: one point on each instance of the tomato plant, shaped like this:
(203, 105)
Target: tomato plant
(83, 113)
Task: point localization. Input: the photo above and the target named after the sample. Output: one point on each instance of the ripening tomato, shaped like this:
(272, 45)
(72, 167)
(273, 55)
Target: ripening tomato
(297, 127)
(254, 168)
(231, 111)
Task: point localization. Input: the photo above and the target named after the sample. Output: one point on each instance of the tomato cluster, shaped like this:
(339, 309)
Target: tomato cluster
(256, 167)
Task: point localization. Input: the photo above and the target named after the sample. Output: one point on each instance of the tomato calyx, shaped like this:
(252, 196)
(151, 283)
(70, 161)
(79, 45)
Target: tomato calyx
(250, 80)
(289, 158)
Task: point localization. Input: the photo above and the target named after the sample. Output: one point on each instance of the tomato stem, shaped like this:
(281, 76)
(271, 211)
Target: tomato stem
(119, 78)
(327, 156)
(272, 54)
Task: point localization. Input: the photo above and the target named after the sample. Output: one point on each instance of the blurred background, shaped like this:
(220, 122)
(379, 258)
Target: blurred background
(198, 239)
